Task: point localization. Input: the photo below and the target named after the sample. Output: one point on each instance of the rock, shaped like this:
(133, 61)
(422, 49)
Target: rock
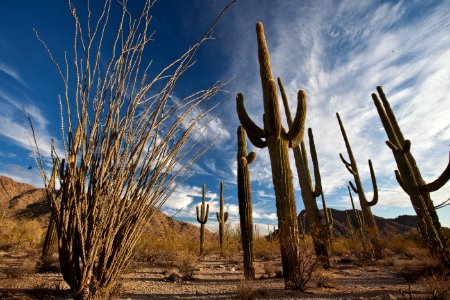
(174, 277)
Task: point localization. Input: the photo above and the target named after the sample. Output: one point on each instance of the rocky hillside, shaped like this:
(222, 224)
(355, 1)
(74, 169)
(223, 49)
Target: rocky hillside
(23, 201)
(398, 225)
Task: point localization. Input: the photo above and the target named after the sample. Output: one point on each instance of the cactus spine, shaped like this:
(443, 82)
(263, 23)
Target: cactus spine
(202, 218)
(369, 220)
(410, 179)
(278, 142)
(245, 202)
(309, 193)
(222, 218)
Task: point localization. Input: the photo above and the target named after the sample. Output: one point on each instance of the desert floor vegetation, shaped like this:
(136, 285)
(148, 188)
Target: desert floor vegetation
(167, 265)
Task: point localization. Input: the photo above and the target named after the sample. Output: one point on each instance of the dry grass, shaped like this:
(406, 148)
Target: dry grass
(248, 291)
(23, 235)
(266, 249)
(437, 287)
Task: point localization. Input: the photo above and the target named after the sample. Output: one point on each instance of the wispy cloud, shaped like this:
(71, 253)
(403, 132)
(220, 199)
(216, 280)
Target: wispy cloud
(13, 73)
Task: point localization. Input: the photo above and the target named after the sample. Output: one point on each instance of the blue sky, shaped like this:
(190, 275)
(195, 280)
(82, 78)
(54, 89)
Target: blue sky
(337, 51)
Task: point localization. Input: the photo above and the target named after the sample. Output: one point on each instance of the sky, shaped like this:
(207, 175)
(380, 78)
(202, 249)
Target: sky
(337, 51)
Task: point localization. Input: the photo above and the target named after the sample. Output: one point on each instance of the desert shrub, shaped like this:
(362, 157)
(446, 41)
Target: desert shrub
(308, 264)
(340, 246)
(163, 247)
(437, 287)
(413, 270)
(26, 235)
(248, 291)
(266, 249)
(408, 244)
(187, 263)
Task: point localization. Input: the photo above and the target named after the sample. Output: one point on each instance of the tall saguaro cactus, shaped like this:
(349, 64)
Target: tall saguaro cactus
(410, 179)
(202, 218)
(352, 167)
(278, 142)
(359, 222)
(309, 193)
(222, 218)
(245, 202)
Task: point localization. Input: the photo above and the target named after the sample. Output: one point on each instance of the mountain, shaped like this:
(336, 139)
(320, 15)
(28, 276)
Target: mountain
(23, 201)
(398, 225)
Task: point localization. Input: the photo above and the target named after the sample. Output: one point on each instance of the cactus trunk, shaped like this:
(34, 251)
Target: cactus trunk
(278, 142)
(411, 181)
(222, 218)
(358, 220)
(202, 218)
(309, 194)
(245, 202)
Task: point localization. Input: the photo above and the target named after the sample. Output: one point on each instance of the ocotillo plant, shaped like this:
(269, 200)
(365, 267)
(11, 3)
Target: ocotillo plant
(359, 222)
(245, 202)
(309, 193)
(124, 153)
(202, 218)
(352, 167)
(278, 142)
(222, 218)
(410, 179)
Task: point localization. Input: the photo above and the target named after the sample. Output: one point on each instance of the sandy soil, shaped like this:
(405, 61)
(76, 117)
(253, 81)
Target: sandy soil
(219, 278)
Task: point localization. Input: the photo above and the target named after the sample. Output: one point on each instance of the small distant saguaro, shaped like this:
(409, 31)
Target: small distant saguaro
(202, 218)
(222, 218)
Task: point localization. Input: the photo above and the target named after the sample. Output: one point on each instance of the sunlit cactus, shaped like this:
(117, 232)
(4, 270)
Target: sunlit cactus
(352, 167)
(222, 218)
(245, 202)
(410, 179)
(309, 192)
(202, 218)
(278, 142)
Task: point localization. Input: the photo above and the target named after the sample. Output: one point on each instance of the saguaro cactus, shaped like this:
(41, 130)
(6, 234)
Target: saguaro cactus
(328, 216)
(358, 220)
(202, 218)
(278, 141)
(309, 193)
(245, 202)
(352, 167)
(410, 179)
(222, 218)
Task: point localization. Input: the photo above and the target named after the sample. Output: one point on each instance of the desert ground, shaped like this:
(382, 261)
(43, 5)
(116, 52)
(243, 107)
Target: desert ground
(166, 263)
(215, 277)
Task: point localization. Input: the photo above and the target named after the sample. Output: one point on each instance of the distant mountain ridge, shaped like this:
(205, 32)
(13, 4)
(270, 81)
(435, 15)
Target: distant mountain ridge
(23, 201)
(399, 225)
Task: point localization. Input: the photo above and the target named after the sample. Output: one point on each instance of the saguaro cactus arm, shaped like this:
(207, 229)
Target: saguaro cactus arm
(317, 179)
(296, 126)
(296, 132)
(254, 132)
(202, 213)
(440, 181)
(374, 184)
